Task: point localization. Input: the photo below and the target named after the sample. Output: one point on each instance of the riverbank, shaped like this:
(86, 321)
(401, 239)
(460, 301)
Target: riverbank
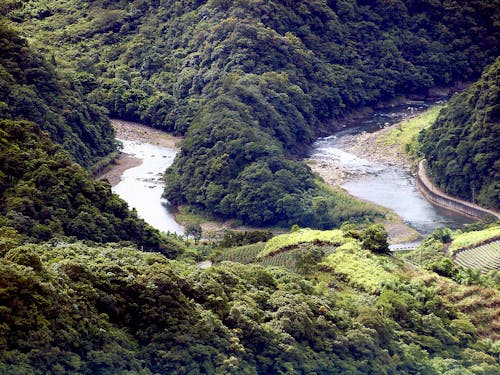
(132, 131)
(115, 171)
(378, 151)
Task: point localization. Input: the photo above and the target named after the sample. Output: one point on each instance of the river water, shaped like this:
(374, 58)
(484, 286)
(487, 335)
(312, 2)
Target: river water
(385, 185)
(142, 186)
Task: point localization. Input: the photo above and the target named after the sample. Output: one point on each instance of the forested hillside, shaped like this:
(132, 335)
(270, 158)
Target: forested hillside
(75, 309)
(44, 193)
(32, 89)
(462, 148)
(251, 82)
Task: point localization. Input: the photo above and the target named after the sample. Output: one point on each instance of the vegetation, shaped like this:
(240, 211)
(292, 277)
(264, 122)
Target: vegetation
(44, 193)
(485, 257)
(242, 254)
(439, 254)
(79, 309)
(475, 238)
(284, 242)
(462, 147)
(250, 83)
(405, 135)
(31, 89)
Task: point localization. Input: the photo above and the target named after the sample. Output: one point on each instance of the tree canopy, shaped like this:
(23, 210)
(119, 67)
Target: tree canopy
(250, 83)
(462, 148)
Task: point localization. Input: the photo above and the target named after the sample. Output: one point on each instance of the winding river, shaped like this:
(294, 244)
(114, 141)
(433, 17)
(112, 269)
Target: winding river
(142, 186)
(385, 185)
(388, 186)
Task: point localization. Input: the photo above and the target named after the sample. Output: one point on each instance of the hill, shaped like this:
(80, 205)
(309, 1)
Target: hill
(80, 309)
(44, 193)
(462, 148)
(251, 83)
(32, 89)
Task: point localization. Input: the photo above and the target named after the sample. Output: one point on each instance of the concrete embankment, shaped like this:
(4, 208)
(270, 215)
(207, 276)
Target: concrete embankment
(440, 198)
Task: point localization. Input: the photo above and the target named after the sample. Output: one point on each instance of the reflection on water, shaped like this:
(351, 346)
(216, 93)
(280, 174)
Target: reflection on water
(387, 186)
(141, 187)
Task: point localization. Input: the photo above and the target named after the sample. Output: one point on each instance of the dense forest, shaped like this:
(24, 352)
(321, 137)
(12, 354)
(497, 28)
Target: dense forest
(72, 309)
(44, 193)
(462, 148)
(250, 83)
(32, 89)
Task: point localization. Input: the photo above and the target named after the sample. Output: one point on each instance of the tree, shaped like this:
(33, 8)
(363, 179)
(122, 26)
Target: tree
(193, 230)
(374, 238)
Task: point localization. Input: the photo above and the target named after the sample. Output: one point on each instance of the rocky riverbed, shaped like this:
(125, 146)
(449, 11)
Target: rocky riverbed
(364, 145)
(132, 131)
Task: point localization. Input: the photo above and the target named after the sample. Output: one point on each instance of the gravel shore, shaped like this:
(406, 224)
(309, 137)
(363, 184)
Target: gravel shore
(133, 131)
(366, 146)
(137, 132)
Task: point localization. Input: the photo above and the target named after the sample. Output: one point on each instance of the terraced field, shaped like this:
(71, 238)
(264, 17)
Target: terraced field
(242, 254)
(249, 254)
(288, 258)
(485, 257)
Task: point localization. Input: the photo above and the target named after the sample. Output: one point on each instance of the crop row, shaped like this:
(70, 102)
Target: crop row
(472, 239)
(242, 254)
(485, 257)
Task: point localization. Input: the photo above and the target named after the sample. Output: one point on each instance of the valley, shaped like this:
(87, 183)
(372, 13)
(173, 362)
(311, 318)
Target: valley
(223, 108)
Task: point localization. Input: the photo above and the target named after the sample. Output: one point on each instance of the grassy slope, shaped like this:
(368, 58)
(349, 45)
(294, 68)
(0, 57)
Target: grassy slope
(404, 136)
(472, 239)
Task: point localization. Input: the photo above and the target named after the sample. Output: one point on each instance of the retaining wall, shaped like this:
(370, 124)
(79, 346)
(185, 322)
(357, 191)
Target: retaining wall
(440, 198)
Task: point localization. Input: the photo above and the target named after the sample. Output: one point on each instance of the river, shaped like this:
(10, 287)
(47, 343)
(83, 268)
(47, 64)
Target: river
(389, 186)
(142, 186)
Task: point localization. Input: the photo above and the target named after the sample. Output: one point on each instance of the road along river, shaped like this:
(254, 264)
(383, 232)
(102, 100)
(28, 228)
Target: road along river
(387, 184)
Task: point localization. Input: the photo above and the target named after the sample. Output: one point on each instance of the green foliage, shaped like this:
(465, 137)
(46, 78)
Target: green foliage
(360, 268)
(193, 230)
(241, 238)
(485, 258)
(241, 254)
(462, 147)
(250, 83)
(117, 310)
(284, 242)
(405, 135)
(374, 238)
(31, 89)
(472, 265)
(472, 239)
(44, 194)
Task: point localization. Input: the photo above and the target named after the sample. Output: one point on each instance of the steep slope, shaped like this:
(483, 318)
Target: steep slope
(31, 89)
(87, 310)
(462, 148)
(44, 193)
(250, 82)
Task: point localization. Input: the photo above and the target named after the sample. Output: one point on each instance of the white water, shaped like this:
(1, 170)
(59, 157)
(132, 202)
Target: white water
(385, 185)
(142, 186)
